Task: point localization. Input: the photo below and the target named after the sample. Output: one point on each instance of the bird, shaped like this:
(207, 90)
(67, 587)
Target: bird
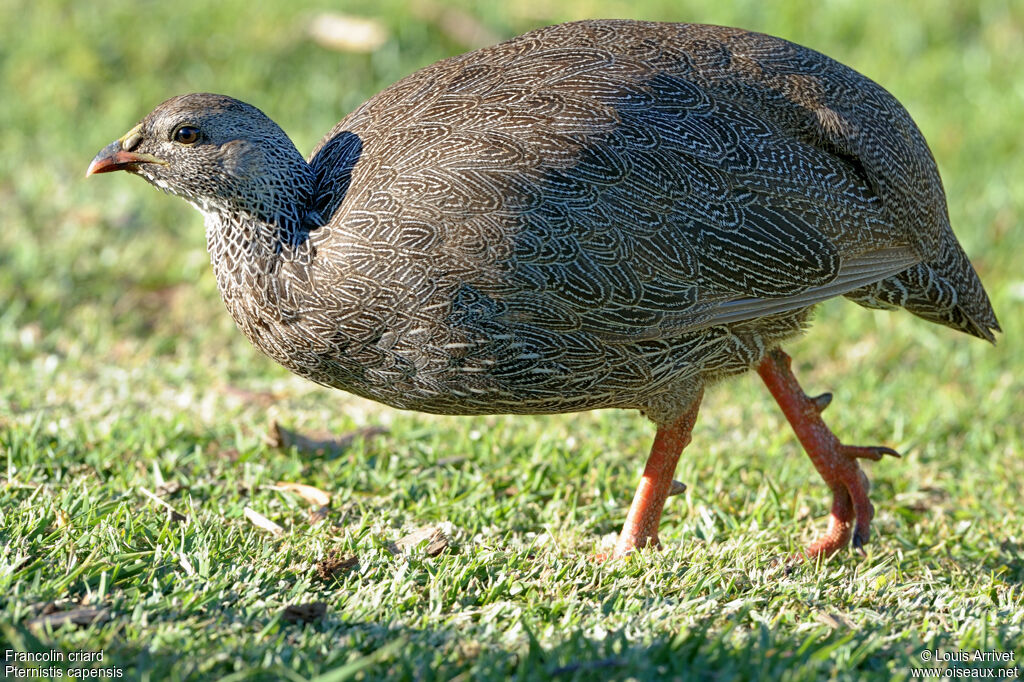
(597, 214)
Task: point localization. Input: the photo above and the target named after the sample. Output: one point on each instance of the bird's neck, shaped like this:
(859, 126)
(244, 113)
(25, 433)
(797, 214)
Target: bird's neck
(251, 256)
(251, 229)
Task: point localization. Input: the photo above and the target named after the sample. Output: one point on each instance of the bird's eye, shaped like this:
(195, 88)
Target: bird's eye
(186, 134)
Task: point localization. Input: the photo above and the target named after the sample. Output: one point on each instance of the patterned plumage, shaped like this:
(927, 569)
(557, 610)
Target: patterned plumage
(591, 215)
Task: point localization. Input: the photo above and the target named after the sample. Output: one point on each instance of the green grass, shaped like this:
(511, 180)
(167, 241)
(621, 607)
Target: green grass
(119, 367)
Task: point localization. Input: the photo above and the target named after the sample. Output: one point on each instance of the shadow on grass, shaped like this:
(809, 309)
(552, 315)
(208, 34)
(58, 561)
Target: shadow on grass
(336, 649)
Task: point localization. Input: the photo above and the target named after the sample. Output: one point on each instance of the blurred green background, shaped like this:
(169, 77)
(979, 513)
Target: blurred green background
(116, 357)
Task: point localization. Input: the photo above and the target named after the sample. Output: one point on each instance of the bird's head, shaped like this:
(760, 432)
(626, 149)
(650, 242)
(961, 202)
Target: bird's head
(222, 155)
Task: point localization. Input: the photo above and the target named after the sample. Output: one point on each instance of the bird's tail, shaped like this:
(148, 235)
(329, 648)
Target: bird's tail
(945, 290)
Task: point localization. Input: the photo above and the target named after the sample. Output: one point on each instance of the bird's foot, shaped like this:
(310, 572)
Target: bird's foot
(837, 463)
(852, 510)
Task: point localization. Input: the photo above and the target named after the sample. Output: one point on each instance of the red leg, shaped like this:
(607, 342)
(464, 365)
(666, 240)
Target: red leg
(837, 463)
(641, 527)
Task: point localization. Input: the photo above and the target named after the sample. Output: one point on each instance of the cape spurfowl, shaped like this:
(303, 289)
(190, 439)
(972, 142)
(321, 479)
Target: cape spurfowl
(602, 214)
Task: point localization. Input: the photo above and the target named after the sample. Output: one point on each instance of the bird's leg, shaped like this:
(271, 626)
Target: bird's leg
(641, 527)
(837, 463)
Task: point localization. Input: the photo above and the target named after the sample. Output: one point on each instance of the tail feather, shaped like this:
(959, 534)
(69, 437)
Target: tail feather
(946, 291)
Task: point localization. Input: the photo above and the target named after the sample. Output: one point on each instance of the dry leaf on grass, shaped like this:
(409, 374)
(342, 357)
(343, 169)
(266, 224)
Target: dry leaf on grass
(346, 33)
(48, 607)
(168, 488)
(319, 514)
(80, 617)
(835, 621)
(304, 613)
(230, 454)
(321, 499)
(261, 521)
(314, 496)
(335, 563)
(318, 443)
(435, 537)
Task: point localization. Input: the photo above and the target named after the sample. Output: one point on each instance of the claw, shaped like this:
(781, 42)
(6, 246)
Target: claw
(872, 452)
(862, 532)
(860, 540)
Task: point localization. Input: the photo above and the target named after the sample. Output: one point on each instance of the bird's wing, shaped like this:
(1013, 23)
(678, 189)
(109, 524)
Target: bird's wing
(594, 187)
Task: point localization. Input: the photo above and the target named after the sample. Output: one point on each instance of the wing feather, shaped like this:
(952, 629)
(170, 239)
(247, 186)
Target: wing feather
(641, 193)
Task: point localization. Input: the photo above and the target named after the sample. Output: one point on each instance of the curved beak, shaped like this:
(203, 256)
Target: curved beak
(118, 155)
